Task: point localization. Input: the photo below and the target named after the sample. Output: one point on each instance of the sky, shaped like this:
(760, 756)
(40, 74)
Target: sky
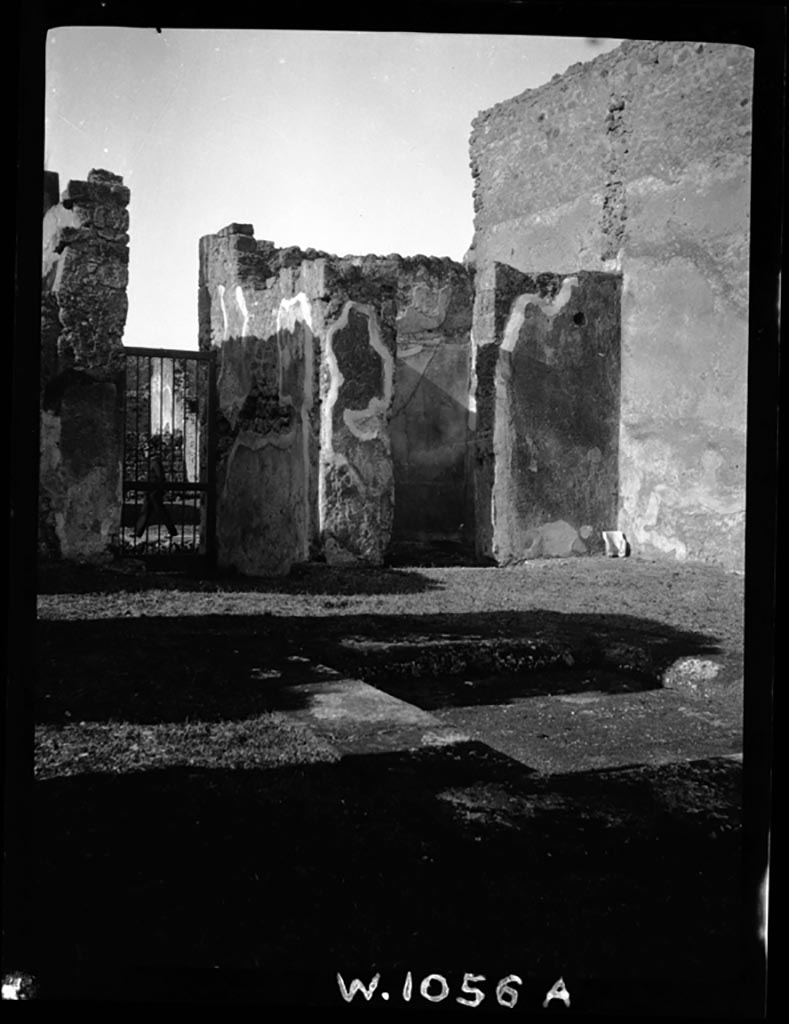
(347, 142)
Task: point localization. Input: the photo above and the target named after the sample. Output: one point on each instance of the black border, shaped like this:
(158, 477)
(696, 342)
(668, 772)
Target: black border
(761, 26)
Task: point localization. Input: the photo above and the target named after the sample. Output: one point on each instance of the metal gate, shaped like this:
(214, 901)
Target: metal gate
(168, 456)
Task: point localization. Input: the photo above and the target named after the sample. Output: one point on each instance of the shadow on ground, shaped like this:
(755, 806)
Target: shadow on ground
(261, 885)
(315, 579)
(226, 667)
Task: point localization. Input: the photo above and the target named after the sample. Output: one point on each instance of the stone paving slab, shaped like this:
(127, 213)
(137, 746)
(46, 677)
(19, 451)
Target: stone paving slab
(555, 724)
(576, 732)
(359, 718)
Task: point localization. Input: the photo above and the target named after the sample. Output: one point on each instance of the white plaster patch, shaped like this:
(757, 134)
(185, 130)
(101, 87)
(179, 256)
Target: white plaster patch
(548, 307)
(383, 351)
(367, 424)
(241, 302)
(649, 509)
(613, 265)
(220, 291)
(290, 312)
(407, 352)
(336, 381)
(472, 384)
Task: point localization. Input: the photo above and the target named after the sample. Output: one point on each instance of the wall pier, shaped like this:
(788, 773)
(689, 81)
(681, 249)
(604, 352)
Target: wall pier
(84, 277)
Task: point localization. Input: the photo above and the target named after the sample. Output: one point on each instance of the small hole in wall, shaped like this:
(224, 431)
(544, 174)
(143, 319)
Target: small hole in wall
(579, 319)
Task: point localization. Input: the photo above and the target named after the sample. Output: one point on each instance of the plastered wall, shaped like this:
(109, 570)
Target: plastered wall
(637, 164)
(319, 359)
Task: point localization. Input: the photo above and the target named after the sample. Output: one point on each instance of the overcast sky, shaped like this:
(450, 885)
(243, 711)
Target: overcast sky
(350, 142)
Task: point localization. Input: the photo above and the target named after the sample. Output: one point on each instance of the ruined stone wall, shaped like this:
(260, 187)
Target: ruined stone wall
(256, 306)
(305, 380)
(313, 350)
(83, 315)
(638, 165)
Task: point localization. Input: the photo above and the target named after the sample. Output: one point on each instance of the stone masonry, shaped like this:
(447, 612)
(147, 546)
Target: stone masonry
(309, 365)
(584, 371)
(84, 276)
(636, 166)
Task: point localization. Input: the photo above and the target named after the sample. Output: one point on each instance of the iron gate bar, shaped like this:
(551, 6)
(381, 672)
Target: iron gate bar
(149, 485)
(210, 445)
(183, 443)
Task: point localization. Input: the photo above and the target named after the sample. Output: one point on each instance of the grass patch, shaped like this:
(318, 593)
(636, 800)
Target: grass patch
(118, 748)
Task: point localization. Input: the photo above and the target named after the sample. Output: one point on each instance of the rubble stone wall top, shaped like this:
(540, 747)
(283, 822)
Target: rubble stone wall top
(86, 270)
(686, 103)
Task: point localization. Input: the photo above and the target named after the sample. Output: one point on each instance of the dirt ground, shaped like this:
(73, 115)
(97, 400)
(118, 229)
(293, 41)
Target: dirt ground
(245, 787)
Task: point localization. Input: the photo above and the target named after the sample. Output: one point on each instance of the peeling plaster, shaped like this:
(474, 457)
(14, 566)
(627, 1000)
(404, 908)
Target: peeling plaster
(548, 307)
(426, 310)
(472, 384)
(407, 352)
(241, 302)
(336, 381)
(220, 290)
(366, 424)
(288, 309)
(659, 505)
(254, 442)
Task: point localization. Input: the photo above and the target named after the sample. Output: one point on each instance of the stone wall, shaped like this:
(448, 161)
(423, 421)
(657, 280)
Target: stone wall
(84, 276)
(313, 351)
(257, 308)
(636, 165)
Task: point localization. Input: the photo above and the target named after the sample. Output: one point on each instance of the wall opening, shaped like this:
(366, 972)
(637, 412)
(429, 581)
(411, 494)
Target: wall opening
(168, 486)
